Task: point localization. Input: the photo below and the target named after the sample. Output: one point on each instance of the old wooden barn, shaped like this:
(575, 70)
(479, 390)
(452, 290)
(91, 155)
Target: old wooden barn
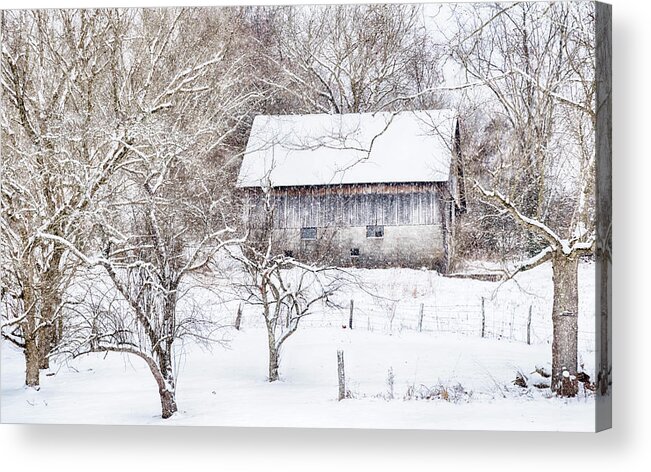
(371, 190)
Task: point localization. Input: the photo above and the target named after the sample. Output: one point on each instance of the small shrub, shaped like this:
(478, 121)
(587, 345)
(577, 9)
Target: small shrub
(454, 393)
(520, 380)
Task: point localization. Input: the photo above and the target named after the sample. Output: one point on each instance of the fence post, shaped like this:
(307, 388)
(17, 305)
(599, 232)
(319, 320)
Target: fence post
(238, 317)
(529, 327)
(483, 318)
(350, 318)
(341, 375)
(420, 318)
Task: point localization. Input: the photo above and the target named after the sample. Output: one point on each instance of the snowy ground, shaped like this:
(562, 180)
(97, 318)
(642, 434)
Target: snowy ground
(229, 387)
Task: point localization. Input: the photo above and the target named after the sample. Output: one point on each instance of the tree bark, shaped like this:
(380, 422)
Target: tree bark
(32, 371)
(238, 317)
(44, 342)
(565, 325)
(166, 391)
(50, 302)
(31, 351)
(274, 353)
(166, 385)
(273, 364)
(49, 334)
(168, 403)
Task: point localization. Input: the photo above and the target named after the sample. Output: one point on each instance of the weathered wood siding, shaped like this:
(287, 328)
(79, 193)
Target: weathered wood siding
(359, 205)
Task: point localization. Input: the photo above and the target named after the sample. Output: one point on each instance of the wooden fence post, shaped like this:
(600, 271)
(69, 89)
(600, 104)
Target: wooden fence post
(350, 318)
(483, 318)
(420, 318)
(238, 317)
(341, 375)
(529, 327)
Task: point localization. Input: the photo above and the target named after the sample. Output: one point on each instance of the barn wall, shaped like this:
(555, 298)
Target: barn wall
(351, 205)
(402, 246)
(412, 216)
(355, 210)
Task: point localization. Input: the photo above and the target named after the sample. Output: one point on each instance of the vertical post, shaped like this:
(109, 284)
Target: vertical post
(529, 327)
(238, 317)
(420, 318)
(483, 318)
(341, 375)
(350, 318)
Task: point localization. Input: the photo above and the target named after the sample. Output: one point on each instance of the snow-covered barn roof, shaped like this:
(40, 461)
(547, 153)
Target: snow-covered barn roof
(356, 148)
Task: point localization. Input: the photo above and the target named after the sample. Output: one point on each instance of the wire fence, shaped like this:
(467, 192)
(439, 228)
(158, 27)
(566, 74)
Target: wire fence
(479, 317)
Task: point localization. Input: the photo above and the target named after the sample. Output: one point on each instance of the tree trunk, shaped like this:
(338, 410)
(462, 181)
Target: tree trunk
(45, 342)
(31, 360)
(166, 384)
(274, 354)
(273, 364)
(565, 323)
(48, 336)
(168, 403)
(28, 327)
(238, 317)
(166, 391)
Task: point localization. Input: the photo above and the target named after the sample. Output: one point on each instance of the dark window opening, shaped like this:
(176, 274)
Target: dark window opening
(308, 233)
(374, 231)
(289, 253)
(354, 252)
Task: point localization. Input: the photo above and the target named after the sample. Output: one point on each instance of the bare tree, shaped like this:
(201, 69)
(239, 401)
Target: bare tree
(88, 94)
(59, 148)
(282, 288)
(351, 58)
(168, 210)
(166, 235)
(136, 310)
(535, 61)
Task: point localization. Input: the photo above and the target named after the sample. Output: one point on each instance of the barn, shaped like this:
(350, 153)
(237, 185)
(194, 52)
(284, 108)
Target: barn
(368, 189)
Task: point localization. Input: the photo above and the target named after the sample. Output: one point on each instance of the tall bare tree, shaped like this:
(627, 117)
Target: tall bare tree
(535, 63)
(59, 147)
(350, 59)
(167, 210)
(88, 94)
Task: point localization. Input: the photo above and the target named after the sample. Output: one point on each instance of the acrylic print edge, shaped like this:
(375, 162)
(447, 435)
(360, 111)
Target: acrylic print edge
(603, 282)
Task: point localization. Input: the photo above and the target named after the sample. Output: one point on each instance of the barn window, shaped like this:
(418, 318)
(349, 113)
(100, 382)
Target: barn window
(374, 231)
(308, 232)
(354, 252)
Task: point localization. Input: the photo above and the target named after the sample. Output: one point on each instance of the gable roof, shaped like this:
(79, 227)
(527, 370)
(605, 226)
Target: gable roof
(356, 148)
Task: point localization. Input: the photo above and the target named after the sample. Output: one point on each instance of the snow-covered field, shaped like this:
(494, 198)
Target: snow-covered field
(227, 386)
